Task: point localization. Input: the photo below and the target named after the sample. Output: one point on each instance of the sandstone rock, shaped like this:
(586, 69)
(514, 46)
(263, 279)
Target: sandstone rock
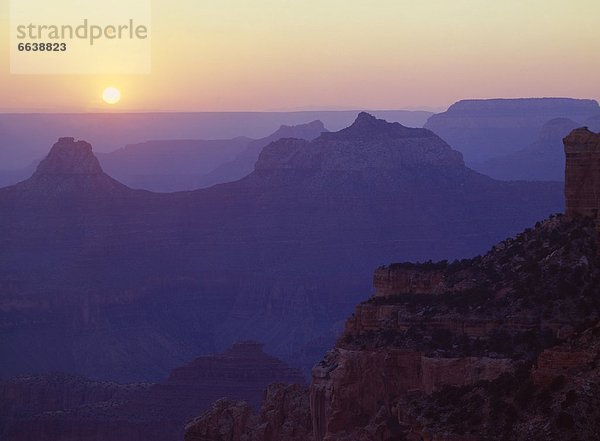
(458, 336)
(343, 398)
(582, 175)
(69, 157)
(393, 280)
(284, 416)
(227, 420)
(71, 170)
(556, 362)
(467, 371)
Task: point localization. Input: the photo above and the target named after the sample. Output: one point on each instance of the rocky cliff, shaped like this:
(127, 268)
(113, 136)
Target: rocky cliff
(70, 170)
(506, 348)
(485, 129)
(582, 174)
(104, 281)
(493, 313)
(284, 416)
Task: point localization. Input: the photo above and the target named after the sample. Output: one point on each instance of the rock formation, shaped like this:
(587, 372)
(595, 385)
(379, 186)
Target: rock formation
(70, 170)
(382, 146)
(489, 315)
(410, 278)
(284, 416)
(507, 348)
(582, 175)
(485, 129)
(112, 283)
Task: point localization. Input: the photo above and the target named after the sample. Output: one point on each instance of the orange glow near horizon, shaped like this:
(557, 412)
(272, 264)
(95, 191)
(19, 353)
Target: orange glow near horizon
(289, 55)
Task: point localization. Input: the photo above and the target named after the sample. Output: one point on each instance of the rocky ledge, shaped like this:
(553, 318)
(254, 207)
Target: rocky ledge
(501, 346)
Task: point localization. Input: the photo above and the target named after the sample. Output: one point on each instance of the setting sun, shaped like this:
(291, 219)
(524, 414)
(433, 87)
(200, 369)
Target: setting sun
(111, 95)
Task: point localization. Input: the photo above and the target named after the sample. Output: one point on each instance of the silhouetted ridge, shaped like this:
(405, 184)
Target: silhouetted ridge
(366, 126)
(583, 137)
(538, 106)
(369, 143)
(70, 157)
(303, 131)
(71, 168)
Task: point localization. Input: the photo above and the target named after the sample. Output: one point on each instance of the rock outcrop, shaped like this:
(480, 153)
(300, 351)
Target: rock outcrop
(284, 416)
(490, 315)
(410, 278)
(369, 143)
(70, 170)
(68, 157)
(582, 175)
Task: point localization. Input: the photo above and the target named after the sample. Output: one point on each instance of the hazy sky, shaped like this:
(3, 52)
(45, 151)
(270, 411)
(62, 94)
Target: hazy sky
(290, 54)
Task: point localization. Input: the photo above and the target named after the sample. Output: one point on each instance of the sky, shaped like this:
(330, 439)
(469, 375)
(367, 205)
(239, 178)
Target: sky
(260, 55)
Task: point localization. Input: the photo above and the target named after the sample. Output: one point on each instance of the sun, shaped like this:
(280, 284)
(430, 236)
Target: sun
(111, 95)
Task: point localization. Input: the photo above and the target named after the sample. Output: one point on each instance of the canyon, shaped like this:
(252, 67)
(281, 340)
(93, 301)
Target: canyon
(112, 283)
(504, 345)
